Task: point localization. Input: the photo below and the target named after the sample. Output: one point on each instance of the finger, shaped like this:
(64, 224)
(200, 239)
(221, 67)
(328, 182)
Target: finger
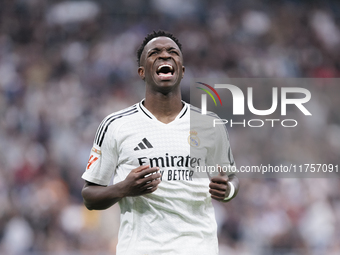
(141, 180)
(147, 191)
(151, 177)
(151, 184)
(217, 193)
(140, 168)
(222, 187)
(220, 171)
(217, 198)
(220, 179)
(148, 171)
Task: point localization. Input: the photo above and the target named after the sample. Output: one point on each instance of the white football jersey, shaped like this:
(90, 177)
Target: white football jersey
(178, 218)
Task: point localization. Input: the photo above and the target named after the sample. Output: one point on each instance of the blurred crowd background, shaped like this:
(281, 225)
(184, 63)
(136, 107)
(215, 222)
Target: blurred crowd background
(64, 65)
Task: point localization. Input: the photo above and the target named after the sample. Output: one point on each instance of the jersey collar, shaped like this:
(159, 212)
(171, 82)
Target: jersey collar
(147, 113)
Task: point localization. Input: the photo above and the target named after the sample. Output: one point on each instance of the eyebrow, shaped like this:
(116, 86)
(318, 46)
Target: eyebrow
(158, 49)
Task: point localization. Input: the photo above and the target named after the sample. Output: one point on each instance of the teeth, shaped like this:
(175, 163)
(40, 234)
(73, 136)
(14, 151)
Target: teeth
(166, 65)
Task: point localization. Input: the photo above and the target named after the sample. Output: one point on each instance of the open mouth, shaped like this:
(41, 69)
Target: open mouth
(165, 71)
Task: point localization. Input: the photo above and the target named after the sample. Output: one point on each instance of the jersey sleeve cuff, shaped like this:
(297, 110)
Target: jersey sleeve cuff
(95, 180)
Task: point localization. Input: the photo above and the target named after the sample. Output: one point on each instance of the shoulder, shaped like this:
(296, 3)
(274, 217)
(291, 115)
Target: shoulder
(121, 115)
(114, 120)
(197, 112)
(210, 120)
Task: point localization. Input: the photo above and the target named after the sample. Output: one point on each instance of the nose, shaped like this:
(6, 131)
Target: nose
(164, 54)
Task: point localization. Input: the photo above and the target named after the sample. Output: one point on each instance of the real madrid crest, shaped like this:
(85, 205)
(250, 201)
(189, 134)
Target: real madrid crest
(193, 139)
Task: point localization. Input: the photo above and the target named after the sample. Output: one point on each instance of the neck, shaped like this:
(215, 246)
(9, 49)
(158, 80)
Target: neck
(165, 107)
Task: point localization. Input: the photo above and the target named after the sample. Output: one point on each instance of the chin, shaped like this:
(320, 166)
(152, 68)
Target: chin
(166, 88)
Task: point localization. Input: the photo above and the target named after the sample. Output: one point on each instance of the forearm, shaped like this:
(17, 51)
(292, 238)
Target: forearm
(101, 197)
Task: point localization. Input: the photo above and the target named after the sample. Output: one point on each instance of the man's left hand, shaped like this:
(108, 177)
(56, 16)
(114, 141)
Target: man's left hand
(219, 188)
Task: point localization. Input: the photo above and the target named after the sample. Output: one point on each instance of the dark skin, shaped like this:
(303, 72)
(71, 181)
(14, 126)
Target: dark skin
(220, 187)
(163, 100)
(97, 197)
(162, 95)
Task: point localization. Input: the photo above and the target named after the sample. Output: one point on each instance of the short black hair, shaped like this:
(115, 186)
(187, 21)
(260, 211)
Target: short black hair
(153, 35)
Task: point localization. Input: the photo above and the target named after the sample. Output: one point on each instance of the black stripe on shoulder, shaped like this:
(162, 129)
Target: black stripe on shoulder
(184, 112)
(144, 111)
(108, 124)
(106, 120)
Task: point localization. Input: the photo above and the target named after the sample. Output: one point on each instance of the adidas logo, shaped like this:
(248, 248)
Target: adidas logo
(145, 144)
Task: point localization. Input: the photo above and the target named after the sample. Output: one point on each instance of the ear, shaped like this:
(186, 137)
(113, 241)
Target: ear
(141, 72)
(183, 71)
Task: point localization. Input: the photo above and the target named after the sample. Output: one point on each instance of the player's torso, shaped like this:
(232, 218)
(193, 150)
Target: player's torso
(177, 148)
(155, 144)
(182, 199)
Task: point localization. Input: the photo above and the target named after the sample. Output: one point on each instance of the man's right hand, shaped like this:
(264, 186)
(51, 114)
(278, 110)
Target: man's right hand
(141, 180)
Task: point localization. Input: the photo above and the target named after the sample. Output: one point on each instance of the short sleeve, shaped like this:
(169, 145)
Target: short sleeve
(221, 153)
(102, 163)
